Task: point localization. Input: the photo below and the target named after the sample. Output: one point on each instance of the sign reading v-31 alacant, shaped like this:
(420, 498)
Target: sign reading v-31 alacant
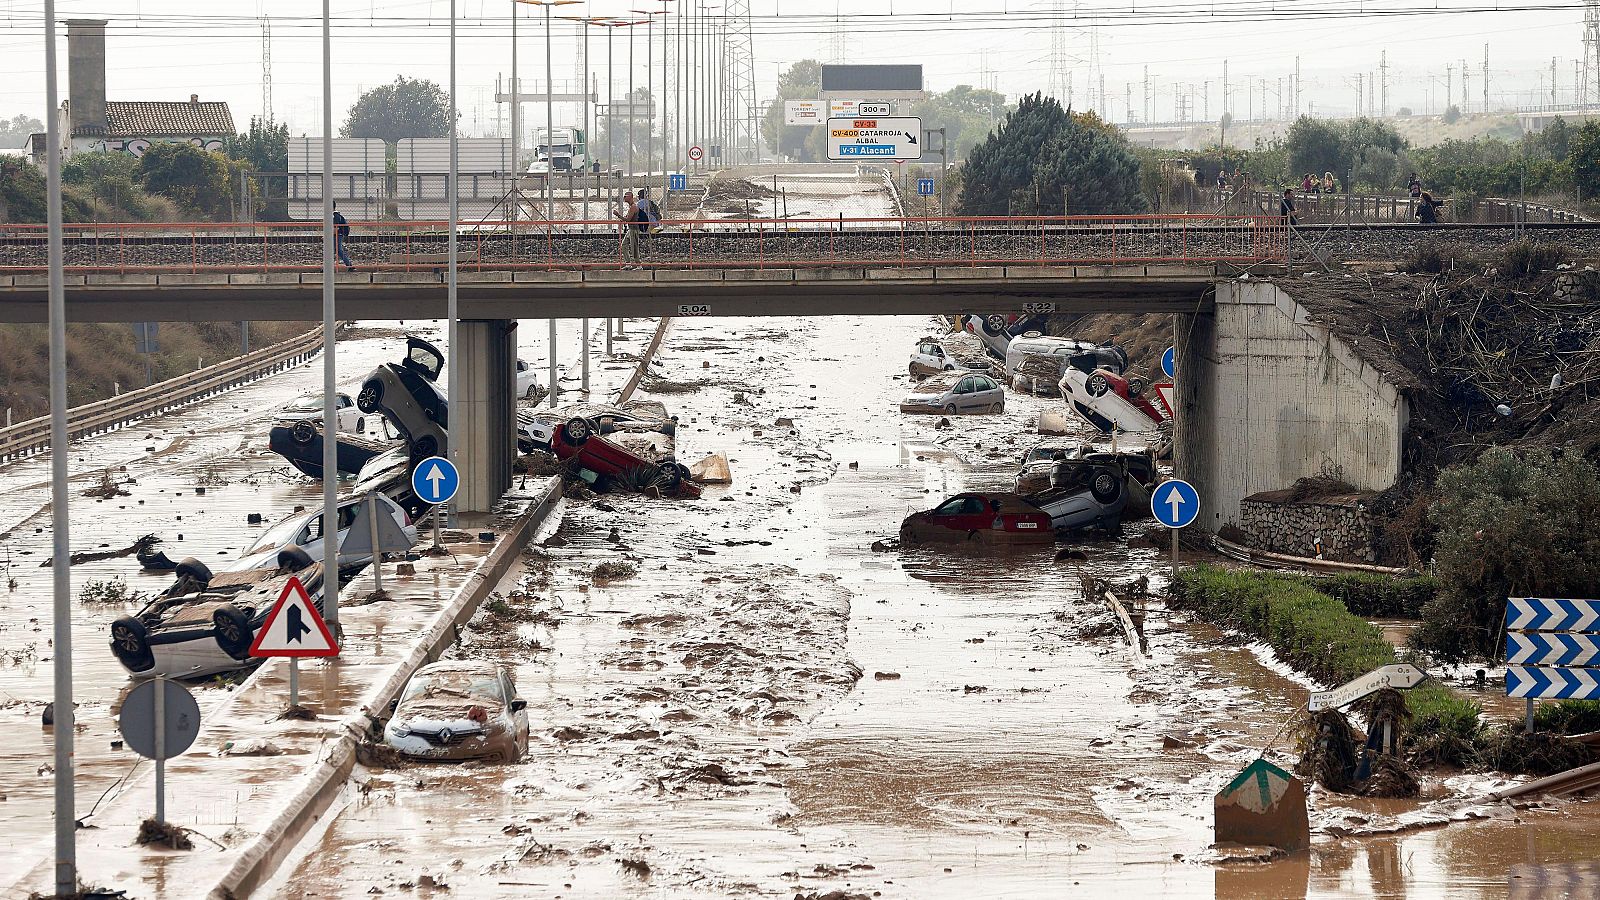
(895, 138)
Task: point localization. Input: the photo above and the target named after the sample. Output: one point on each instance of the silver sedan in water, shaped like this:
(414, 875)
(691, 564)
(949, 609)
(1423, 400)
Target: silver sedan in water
(953, 393)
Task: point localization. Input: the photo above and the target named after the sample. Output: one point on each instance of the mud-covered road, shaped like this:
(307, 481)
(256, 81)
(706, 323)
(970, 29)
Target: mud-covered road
(771, 708)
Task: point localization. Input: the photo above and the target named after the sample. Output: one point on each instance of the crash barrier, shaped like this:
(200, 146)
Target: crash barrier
(276, 840)
(626, 394)
(103, 415)
(1500, 209)
(212, 250)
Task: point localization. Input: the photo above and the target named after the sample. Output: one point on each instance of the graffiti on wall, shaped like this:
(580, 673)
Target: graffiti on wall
(137, 146)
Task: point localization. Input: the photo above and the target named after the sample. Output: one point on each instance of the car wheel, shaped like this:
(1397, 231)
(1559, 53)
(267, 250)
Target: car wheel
(995, 324)
(1105, 485)
(294, 558)
(670, 477)
(996, 408)
(232, 630)
(949, 409)
(424, 447)
(370, 397)
(1097, 385)
(130, 643)
(193, 568)
(575, 432)
(1137, 385)
(303, 432)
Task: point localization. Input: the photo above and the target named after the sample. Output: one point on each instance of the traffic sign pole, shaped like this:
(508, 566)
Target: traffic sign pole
(294, 681)
(161, 749)
(377, 556)
(1176, 504)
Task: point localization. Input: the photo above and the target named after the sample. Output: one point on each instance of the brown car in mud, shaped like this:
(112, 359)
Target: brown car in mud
(457, 710)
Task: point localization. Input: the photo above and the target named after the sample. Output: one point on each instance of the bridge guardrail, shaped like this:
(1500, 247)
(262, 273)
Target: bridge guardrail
(102, 415)
(409, 246)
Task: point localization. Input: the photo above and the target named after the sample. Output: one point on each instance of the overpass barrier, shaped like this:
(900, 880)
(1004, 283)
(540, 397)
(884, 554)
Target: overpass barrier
(217, 249)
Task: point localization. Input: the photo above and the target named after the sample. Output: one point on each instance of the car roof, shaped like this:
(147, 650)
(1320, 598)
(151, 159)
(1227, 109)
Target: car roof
(1009, 503)
(461, 666)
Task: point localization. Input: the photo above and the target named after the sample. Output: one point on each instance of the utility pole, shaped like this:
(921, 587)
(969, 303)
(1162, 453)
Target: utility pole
(1486, 78)
(1552, 81)
(1383, 73)
(1127, 100)
(1224, 87)
(1450, 82)
(266, 69)
(1358, 94)
(1297, 87)
(1465, 92)
(1147, 93)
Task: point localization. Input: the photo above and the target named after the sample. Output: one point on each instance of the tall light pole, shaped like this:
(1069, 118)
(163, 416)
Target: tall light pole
(66, 843)
(451, 309)
(330, 374)
(666, 96)
(649, 87)
(516, 125)
(549, 135)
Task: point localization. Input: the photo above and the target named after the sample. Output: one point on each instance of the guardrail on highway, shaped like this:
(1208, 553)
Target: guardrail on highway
(214, 249)
(102, 415)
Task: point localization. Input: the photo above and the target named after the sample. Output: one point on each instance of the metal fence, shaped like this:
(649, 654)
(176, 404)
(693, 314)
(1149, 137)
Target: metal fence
(839, 241)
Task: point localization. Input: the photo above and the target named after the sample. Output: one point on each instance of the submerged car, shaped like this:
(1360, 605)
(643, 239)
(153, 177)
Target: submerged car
(955, 393)
(304, 530)
(458, 710)
(389, 473)
(527, 384)
(607, 463)
(409, 395)
(986, 518)
(929, 358)
(207, 631)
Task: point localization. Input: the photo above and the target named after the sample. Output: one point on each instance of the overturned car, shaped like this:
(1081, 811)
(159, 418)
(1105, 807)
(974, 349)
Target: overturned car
(409, 395)
(1110, 400)
(300, 443)
(603, 462)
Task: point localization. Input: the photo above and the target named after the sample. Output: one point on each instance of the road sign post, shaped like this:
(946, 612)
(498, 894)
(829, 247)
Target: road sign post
(435, 480)
(1176, 504)
(696, 153)
(159, 720)
(677, 182)
(895, 138)
(294, 629)
(925, 187)
(1401, 676)
(1552, 647)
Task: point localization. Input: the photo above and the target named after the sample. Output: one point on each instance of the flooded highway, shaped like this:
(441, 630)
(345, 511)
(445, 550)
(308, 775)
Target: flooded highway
(771, 707)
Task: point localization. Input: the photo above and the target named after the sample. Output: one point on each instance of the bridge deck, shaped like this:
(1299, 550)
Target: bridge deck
(597, 293)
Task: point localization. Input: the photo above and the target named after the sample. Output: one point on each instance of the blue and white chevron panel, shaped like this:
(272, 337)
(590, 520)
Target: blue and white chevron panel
(1539, 614)
(1539, 682)
(1544, 648)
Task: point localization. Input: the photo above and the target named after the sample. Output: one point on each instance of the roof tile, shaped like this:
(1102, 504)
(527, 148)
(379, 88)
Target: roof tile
(167, 119)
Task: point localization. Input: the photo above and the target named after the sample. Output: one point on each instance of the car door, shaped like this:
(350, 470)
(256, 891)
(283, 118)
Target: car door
(961, 396)
(988, 394)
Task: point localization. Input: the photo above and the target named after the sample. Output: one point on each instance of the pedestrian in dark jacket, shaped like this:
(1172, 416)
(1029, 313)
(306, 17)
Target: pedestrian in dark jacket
(1427, 209)
(1286, 208)
(341, 233)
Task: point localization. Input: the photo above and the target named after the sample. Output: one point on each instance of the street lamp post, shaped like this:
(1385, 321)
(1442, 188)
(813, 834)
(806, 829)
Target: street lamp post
(549, 169)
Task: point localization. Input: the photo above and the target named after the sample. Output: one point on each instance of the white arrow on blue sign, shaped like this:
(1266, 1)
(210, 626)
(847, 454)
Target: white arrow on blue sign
(1552, 649)
(1539, 614)
(435, 480)
(1169, 362)
(1175, 503)
(925, 187)
(1538, 682)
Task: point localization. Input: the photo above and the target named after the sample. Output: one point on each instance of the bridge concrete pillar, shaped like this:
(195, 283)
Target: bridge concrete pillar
(483, 411)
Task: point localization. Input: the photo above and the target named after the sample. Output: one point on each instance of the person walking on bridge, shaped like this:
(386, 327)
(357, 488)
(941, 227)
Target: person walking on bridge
(1286, 208)
(341, 233)
(630, 236)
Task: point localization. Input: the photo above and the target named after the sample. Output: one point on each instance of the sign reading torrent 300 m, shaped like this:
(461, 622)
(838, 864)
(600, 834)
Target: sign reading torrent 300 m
(876, 137)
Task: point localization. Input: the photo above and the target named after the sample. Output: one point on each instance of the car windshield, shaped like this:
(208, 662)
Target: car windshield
(1040, 454)
(930, 349)
(455, 686)
(280, 534)
(934, 386)
(306, 402)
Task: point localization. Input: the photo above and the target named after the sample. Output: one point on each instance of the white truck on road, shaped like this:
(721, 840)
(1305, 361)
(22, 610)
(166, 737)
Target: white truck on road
(567, 151)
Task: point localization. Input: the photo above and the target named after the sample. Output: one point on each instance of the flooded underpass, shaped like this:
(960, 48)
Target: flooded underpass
(758, 702)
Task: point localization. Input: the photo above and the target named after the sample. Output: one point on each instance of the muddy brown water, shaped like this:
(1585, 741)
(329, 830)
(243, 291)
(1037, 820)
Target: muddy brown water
(699, 729)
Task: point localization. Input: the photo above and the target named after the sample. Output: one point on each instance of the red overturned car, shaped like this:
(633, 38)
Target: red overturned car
(985, 518)
(578, 439)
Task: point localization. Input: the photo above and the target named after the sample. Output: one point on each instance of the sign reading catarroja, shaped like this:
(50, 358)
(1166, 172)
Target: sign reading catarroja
(879, 137)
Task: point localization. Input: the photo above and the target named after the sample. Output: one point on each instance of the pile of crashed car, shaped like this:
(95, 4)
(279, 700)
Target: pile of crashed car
(1061, 487)
(204, 623)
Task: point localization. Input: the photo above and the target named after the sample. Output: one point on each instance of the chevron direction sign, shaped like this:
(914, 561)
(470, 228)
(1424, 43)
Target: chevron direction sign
(1552, 648)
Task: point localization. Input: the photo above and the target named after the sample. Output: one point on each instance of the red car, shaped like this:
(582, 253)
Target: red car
(579, 439)
(991, 518)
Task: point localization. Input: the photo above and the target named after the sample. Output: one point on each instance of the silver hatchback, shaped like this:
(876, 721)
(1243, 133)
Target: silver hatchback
(955, 393)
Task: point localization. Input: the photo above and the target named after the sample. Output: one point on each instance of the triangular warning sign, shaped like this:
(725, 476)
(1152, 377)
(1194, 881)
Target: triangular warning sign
(294, 627)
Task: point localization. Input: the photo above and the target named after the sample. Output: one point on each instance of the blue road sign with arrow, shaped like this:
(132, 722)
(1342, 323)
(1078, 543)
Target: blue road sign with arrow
(677, 182)
(435, 480)
(925, 187)
(1169, 362)
(1175, 503)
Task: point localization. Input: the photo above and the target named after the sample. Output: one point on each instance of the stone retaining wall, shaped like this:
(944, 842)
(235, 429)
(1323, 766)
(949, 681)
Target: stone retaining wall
(1344, 525)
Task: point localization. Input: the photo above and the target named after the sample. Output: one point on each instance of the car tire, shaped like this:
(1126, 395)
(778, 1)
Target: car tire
(130, 644)
(232, 631)
(1097, 385)
(302, 432)
(424, 447)
(1137, 385)
(370, 397)
(994, 324)
(1105, 486)
(996, 409)
(294, 558)
(670, 477)
(949, 409)
(576, 432)
(190, 567)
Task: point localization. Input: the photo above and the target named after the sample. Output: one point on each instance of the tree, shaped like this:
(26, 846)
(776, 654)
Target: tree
(14, 131)
(199, 181)
(408, 108)
(801, 81)
(645, 139)
(1452, 115)
(1356, 151)
(265, 148)
(1042, 158)
(1584, 159)
(966, 113)
(1509, 526)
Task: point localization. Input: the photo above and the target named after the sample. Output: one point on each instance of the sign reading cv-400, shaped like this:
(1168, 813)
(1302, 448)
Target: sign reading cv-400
(881, 137)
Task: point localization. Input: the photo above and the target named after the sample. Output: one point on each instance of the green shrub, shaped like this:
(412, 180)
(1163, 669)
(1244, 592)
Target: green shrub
(1568, 716)
(1510, 749)
(1509, 526)
(1379, 596)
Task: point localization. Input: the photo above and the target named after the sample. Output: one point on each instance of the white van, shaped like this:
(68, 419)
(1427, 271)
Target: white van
(1035, 343)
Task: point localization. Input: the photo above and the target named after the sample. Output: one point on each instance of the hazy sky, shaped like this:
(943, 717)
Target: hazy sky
(169, 49)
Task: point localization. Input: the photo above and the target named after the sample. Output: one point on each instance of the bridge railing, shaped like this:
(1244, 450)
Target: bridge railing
(839, 241)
